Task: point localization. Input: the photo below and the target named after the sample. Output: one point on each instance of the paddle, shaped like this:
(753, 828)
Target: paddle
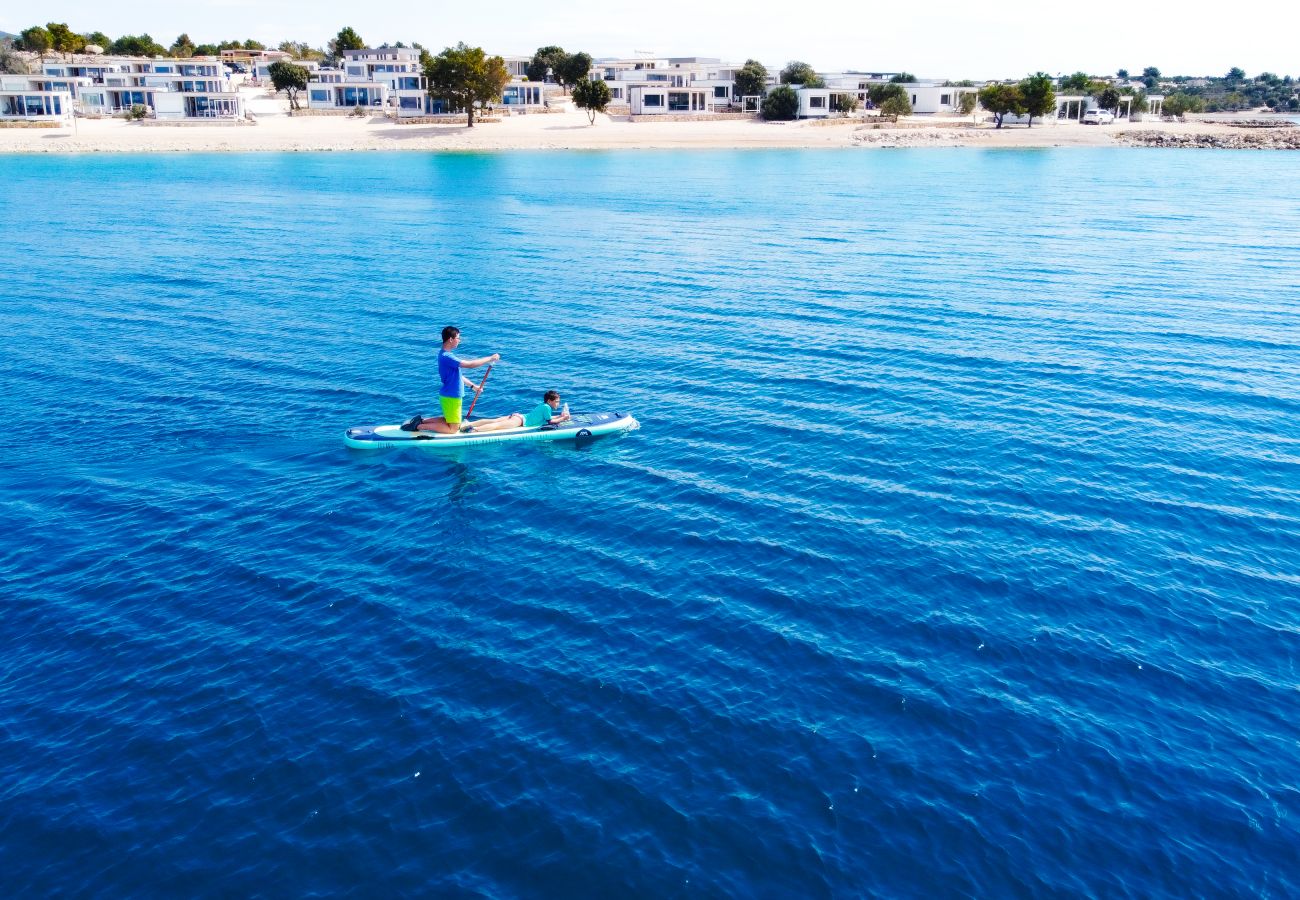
(479, 391)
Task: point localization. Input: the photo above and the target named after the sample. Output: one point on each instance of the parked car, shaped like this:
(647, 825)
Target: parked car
(1098, 117)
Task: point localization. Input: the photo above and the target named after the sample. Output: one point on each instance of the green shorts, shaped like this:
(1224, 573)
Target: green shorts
(451, 409)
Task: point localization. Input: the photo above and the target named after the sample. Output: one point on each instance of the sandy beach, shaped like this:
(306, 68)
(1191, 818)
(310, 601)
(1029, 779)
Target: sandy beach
(274, 129)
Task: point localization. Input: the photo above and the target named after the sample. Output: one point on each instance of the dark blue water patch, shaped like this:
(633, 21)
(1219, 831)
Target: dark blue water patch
(956, 554)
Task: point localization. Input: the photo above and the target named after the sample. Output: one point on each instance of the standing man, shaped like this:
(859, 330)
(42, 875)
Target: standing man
(453, 383)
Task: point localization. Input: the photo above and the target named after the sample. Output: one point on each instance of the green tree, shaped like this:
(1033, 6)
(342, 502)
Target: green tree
(1001, 100)
(1180, 104)
(781, 104)
(1235, 74)
(845, 103)
(63, 39)
(903, 78)
(751, 79)
(182, 47)
(207, 50)
(593, 96)
(1076, 83)
(98, 39)
(463, 76)
(897, 105)
(801, 73)
(573, 68)
(250, 44)
(967, 103)
(137, 45)
(1108, 98)
(346, 39)
(301, 50)
(1122, 74)
(546, 61)
(1037, 96)
(879, 93)
(1139, 106)
(35, 40)
(289, 78)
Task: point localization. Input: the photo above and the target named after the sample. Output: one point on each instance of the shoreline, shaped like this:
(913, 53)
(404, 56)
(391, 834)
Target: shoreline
(274, 131)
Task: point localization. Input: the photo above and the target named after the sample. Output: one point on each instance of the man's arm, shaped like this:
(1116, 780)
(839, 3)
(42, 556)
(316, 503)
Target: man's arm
(475, 363)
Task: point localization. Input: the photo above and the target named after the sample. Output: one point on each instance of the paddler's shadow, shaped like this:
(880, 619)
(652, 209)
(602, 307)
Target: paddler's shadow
(462, 483)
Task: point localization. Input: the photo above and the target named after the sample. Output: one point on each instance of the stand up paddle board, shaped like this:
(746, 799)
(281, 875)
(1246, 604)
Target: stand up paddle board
(581, 426)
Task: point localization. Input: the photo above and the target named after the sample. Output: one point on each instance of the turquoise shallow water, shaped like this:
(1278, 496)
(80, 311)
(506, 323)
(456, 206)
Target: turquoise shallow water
(957, 554)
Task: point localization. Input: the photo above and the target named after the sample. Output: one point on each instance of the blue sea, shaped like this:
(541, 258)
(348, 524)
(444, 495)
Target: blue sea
(958, 553)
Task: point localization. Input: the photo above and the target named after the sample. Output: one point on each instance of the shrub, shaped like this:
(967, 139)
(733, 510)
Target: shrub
(897, 105)
(137, 112)
(781, 104)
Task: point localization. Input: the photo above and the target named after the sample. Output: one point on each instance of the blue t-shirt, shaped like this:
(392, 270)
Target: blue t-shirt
(449, 371)
(539, 415)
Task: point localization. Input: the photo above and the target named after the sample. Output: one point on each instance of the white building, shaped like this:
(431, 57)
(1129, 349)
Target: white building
(388, 79)
(814, 103)
(524, 95)
(25, 98)
(649, 100)
(517, 66)
(929, 98)
(701, 84)
(196, 88)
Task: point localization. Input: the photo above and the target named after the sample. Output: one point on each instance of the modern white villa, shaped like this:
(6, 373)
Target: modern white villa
(171, 89)
(29, 98)
(382, 79)
(689, 85)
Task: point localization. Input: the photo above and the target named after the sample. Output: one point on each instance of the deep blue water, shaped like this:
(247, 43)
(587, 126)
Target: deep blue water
(958, 553)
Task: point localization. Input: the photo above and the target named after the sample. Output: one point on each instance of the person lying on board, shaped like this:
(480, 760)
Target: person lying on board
(544, 413)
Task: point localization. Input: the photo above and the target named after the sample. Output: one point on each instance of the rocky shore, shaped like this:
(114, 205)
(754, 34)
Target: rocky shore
(1272, 139)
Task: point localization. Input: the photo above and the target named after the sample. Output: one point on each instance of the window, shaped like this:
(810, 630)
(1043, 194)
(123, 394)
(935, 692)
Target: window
(410, 102)
(652, 100)
(679, 101)
(720, 92)
(816, 102)
(320, 96)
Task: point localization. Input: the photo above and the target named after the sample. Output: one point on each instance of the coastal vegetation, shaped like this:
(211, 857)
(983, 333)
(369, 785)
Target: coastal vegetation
(781, 104)
(11, 62)
(565, 69)
(751, 79)
(1001, 100)
(465, 77)
(290, 79)
(346, 39)
(802, 74)
(891, 98)
(1038, 96)
(592, 96)
(1032, 97)
(1235, 91)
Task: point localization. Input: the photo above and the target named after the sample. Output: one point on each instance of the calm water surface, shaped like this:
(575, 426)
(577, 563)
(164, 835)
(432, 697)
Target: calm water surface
(958, 554)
